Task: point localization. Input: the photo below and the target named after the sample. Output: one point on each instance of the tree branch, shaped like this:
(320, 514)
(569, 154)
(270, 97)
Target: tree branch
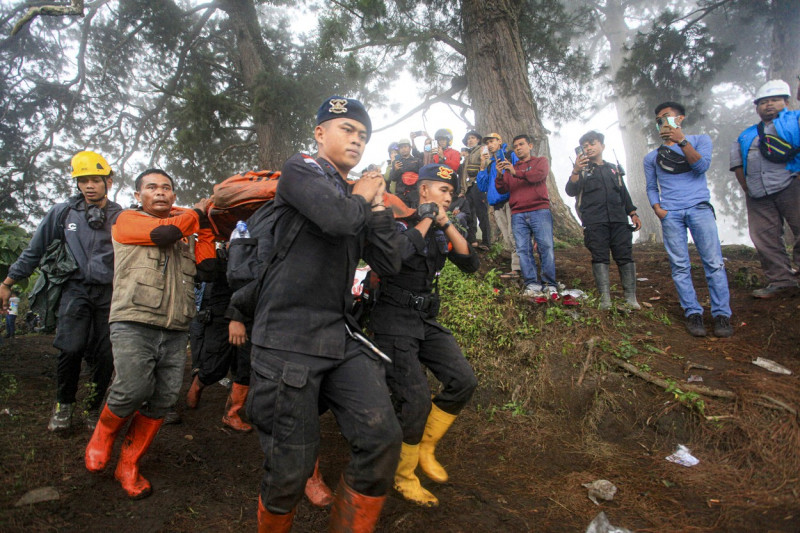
(457, 86)
(74, 9)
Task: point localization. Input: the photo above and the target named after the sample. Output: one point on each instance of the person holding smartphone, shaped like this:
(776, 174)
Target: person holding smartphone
(678, 192)
(604, 205)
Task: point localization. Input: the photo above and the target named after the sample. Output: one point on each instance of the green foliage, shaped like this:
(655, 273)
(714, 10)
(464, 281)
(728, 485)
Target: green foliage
(13, 240)
(495, 250)
(8, 386)
(692, 400)
(671, 61)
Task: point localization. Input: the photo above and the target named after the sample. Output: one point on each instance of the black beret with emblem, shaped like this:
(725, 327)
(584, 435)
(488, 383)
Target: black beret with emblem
(338, 107)
(437, 172)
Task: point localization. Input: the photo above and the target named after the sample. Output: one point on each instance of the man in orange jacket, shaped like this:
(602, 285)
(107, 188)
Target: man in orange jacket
(151, 308)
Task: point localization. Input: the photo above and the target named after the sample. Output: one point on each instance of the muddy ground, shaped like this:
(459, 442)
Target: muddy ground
(515, 465)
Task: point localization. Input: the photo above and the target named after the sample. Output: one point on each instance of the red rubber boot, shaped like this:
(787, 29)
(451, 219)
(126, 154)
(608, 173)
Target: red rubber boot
(98, 451)
(139, 438)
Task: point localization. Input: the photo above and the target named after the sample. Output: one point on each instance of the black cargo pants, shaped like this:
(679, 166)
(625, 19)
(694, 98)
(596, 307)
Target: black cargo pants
(408, 382)
(82, 332)
(286, 389)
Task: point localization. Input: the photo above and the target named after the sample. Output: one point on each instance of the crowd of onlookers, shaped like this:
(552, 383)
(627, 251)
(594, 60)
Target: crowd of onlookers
(129, 283)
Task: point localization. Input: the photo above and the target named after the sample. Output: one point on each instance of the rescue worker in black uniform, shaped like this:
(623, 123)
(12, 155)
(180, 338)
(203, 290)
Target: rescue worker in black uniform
(405, 327)
(604, 205)
(304, 337)
(404, 163)
(216, 356)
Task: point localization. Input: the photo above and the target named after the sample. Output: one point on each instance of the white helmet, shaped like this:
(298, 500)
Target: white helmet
(773, 88)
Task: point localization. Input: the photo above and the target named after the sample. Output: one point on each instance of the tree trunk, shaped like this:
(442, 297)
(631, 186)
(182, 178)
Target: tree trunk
(616, 31)
(253, 59)
(500, 93)
(785, 58)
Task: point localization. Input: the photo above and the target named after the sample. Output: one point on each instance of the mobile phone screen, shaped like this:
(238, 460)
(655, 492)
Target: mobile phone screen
(578, 151)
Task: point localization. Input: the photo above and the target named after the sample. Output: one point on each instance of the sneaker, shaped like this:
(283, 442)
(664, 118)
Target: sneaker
(722, 326)
(533, 290)
(770, 291)
(694, 325)
(92, 416)
(62, 417)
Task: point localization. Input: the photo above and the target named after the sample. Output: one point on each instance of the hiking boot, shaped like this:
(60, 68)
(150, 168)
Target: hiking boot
(722, 326)
(770, 291)
(62, 417)
(694, 325)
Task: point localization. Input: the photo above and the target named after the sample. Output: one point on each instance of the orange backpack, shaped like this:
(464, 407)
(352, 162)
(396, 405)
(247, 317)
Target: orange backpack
(240, 196)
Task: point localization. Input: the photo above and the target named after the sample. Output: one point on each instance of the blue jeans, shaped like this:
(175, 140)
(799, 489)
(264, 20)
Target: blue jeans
(700, 221)
(539, 225)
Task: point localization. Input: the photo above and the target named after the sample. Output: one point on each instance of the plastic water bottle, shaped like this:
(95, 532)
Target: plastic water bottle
(241, 231)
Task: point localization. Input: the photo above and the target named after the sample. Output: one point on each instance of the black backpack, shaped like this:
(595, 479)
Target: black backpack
(246, 256)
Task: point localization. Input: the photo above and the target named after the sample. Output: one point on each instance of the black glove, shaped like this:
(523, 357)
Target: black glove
(429, 210)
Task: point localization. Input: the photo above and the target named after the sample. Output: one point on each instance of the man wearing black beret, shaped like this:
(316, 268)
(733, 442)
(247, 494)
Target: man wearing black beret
(302, 352)
(406, 329)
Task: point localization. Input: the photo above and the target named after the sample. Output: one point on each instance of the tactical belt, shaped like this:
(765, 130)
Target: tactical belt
(427, 304)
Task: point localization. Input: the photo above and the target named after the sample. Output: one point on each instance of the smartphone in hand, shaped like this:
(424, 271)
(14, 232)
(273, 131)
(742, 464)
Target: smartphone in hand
(578, 151)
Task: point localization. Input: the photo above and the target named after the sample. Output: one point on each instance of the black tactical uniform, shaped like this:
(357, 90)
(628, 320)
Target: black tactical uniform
(407, 193)
(603, 203)
(405, 328)
(301, 351)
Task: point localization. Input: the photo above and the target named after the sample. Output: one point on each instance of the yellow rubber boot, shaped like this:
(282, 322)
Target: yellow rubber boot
(438, 424)
(406, 481)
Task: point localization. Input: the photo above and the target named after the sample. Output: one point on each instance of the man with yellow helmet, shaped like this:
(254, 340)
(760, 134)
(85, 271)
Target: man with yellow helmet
(84, 223)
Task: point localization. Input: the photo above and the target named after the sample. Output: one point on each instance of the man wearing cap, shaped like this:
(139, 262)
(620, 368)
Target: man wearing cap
(405, 169)
(497, 152)
(477, 198)
(84, 222)
(766, 161)
(678, 192)
(302, 349)
(406, 329)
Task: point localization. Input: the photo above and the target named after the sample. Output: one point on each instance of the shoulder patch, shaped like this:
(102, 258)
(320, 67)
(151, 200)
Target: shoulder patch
(313, 163)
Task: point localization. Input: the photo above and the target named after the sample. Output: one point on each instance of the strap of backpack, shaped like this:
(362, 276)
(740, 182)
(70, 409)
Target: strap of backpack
(62, 219)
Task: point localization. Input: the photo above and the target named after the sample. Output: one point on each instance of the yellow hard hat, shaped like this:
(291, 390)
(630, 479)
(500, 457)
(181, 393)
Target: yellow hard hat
(89, 164)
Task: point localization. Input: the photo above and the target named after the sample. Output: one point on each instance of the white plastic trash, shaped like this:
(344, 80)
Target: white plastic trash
(683, 456)
(772, 366)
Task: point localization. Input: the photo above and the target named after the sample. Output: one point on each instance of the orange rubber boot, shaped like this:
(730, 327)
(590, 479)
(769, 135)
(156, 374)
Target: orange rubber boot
(317, 492)
(236, 399)
(139, 438)
(100, 446)
(353, 512)
(193, 395)
(269, 522)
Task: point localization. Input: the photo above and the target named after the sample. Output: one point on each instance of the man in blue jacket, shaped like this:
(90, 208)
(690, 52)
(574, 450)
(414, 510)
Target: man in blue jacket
(498, 151)
(678, 192)
(766, 161)
(84, 223)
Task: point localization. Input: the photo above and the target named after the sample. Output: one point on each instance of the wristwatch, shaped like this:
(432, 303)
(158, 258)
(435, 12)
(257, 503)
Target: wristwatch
(683, 143)
(447, 225)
